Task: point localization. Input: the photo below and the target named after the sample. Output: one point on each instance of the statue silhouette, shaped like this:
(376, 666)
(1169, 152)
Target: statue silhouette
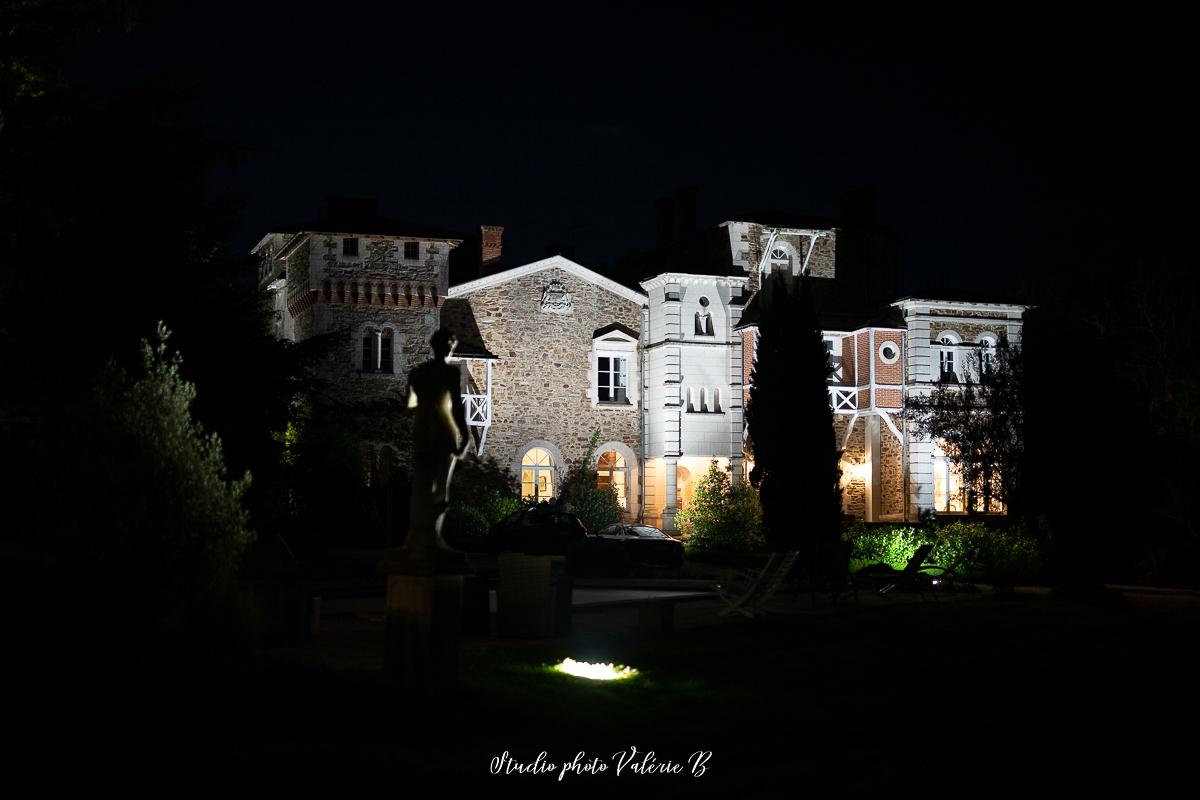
(440, 437)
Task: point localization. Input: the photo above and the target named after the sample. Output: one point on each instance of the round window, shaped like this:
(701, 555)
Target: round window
(889, 352)
(704, 302)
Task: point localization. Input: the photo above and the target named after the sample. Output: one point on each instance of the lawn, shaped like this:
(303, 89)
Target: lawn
(965, 697)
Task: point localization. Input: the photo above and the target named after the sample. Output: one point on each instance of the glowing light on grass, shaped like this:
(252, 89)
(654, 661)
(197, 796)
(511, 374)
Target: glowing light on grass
(594, 672)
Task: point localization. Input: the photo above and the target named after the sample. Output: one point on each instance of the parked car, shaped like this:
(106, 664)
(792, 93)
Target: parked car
(644, 544)
(538, 530)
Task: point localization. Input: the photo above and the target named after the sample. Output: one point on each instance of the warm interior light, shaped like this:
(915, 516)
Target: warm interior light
(852, 471)
(594, 672)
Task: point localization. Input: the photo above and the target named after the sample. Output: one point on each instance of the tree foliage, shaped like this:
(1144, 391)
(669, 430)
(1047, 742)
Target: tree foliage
(790, 422)
(162, 523)
(979, 423)
(596, 507)
(724, 514)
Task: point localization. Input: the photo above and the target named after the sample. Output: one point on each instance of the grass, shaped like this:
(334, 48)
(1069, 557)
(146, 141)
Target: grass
(970, 696)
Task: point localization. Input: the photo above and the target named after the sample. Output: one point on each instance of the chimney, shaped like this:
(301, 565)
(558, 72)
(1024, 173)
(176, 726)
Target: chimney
(665, 209)
(687, 210)
(489, 248)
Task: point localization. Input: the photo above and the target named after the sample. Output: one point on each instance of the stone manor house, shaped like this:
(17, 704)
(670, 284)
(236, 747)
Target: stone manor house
(551, 350)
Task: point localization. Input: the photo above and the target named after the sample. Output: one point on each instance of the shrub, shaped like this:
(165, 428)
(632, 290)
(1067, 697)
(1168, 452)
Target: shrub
(998, 555)
(724, 515)
(596, 507)
(466, 524)
(172, 528)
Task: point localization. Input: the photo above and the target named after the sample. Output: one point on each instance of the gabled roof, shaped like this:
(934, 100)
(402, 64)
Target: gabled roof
(553, 262)
(617, 327)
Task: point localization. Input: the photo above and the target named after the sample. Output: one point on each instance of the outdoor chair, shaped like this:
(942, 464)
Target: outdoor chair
(910, 578)
(749, 591)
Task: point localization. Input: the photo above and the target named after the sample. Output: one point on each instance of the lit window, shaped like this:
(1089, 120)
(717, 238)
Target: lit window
(537, 475)
(947, 486)
(412, 251)
(350, 247)
(612, 379)
(612, 471)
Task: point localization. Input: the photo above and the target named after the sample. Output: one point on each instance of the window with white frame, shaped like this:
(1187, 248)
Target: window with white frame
(987, 355)
(377, 350)
(538, 473)
(614, 367)
(612, 471)
(947, 345)
(780, 259)
(612, 379)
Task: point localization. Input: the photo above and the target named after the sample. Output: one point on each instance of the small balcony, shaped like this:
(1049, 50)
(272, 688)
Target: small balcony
(843, 399)
(479, 410)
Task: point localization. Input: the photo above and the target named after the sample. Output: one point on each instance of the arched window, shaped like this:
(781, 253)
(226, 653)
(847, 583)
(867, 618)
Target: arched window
(704, 323)
(780, 260)
(987, 355)
(537, 475)
(947, 343)
(612, 471)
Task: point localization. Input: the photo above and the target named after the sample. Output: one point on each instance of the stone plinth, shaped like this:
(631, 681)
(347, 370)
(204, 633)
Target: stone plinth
(424, 620)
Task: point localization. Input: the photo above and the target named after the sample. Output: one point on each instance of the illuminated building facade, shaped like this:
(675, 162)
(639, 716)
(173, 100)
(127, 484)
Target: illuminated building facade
(553, 352)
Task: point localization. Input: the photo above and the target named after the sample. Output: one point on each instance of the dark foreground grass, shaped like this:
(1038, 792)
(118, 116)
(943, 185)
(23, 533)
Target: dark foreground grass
(962, 698)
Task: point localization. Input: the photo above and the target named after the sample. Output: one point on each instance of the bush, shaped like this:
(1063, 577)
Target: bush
(596, 507)
(724, 515)
(1001, 556)
(171, 527)
(466, 524)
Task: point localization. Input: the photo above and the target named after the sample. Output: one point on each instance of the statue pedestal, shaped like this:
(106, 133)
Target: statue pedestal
(424, 619)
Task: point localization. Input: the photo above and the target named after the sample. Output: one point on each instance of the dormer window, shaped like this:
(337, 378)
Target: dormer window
(350, 247)
(614, 367)
(704, 323)
(780, 260)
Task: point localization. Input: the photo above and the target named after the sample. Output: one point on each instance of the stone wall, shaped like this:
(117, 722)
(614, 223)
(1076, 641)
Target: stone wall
(891, 454)
(540, 382)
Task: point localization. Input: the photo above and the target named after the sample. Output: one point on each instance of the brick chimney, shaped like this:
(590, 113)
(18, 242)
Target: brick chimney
(489, 255)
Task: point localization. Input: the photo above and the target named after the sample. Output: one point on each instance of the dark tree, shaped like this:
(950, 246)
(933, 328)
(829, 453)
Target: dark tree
(980, 424)
(790, 422)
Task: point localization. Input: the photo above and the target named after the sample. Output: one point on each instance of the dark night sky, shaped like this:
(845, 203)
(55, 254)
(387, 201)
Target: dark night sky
(1000, 144)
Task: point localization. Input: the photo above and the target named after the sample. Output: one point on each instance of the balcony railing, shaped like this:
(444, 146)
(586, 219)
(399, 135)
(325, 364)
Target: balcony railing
(479, 409)
(842, 399)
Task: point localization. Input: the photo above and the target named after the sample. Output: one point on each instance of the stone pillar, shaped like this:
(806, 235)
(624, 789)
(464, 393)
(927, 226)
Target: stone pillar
(874, 460)
(670, 490)
(424, 620)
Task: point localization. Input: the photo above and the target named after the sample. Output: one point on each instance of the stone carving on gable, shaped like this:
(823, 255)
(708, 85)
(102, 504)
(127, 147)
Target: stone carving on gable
(556, 299)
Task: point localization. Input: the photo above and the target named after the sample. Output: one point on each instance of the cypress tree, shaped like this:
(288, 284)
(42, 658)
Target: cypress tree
(790, 423)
